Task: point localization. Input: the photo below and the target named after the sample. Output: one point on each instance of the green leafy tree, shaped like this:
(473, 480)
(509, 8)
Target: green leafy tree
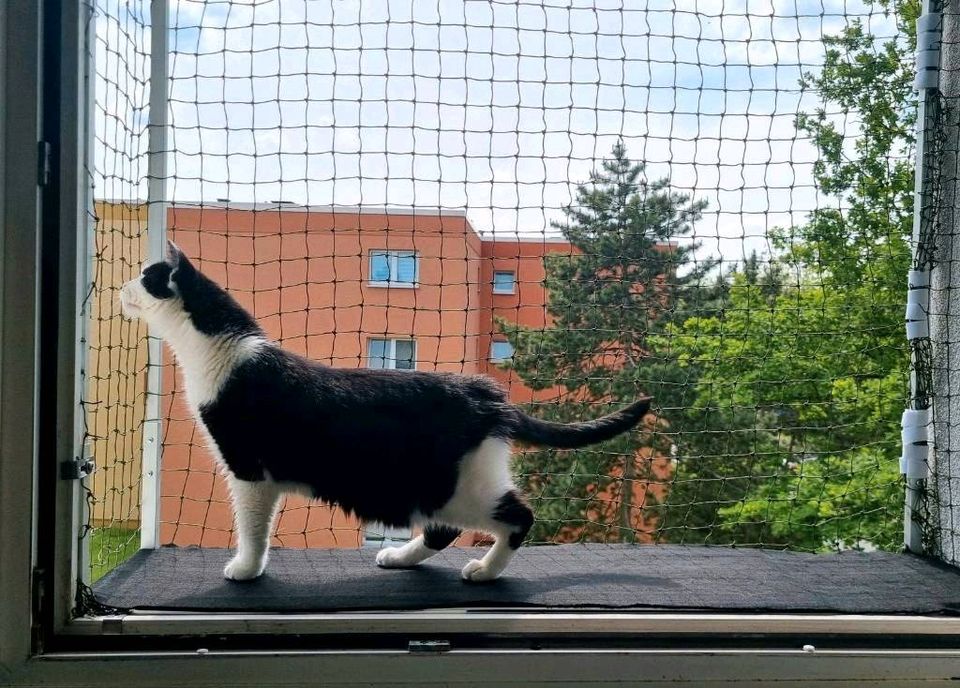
(627, 278)
(820, 358)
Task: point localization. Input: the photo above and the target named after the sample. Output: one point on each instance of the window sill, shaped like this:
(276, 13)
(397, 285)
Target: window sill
(393, 285)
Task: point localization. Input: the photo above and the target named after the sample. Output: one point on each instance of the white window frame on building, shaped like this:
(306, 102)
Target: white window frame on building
(389, 358)
(377, 534)
(393, 258)
(500, 289)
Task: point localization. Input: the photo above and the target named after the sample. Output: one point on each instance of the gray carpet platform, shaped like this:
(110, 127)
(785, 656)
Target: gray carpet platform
(567, 576)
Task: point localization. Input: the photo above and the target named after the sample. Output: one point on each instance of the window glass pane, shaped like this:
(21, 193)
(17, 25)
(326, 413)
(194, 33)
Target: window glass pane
(501, 351)
(379, 267)
(377, 353)
(406, 269)
(503, 282)
(405, 353)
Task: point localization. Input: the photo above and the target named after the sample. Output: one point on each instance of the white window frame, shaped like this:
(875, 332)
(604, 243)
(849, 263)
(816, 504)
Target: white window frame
(377, 535)
(390, 354)
(495, 359)
(393, 255)
(513, 283)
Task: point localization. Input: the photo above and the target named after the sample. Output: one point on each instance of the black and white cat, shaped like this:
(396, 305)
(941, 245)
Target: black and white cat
(398, 447)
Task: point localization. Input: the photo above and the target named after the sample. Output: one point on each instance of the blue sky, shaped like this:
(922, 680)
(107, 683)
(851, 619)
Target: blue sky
(497, 107)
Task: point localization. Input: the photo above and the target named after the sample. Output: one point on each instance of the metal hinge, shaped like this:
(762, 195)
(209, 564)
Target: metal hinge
(426, 647)
(44, 162)
(75, 469)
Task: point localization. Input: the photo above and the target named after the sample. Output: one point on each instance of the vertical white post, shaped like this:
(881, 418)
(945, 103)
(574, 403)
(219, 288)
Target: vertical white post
(156, 246)
(917, 442)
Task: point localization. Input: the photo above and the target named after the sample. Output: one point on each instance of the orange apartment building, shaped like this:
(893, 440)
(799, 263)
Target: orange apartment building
(348, 287)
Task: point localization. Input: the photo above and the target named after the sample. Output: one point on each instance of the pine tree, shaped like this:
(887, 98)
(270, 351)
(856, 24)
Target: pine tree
(631, 272)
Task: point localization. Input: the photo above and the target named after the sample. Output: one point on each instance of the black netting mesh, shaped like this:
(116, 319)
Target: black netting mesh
(708, 202)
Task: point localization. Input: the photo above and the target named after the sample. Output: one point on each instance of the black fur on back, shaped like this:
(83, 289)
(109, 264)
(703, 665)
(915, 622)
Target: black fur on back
(212, 310)
(384, 444)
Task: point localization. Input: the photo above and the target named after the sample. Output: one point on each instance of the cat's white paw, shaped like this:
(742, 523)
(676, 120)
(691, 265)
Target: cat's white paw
(392, 558)
(241, 568)
(477, 572)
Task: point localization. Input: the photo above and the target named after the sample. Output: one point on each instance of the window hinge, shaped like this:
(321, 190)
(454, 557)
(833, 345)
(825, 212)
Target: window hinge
(38, 591)
(44, 162)
(75, 469)
(427, 647)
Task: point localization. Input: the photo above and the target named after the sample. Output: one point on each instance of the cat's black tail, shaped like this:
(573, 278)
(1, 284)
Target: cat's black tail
(574, 435)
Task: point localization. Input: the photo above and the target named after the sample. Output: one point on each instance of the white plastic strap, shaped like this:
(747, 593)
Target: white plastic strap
(915, 417)
(918, 329)
(916, 315)
(913, 461)
(918, 278)
(915, 434)
(928, 51)
(917, 300)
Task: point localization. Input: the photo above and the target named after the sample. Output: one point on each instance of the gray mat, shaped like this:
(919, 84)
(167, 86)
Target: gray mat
(598, 576)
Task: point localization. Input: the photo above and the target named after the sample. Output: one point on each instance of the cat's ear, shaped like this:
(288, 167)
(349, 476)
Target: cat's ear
(174, 255)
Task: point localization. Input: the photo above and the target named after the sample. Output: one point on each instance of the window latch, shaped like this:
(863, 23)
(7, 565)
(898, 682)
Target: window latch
(76, 469)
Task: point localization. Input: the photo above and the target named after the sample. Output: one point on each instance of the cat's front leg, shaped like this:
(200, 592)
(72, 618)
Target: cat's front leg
(254, 507)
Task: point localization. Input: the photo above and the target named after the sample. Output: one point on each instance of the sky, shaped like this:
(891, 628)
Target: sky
(496, 107)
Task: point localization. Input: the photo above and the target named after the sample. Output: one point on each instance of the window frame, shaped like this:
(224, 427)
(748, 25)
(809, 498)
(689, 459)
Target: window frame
(493, 344)
(513, 282)
(377, 536)
(41, 644)
(390, 353)
(393, 256)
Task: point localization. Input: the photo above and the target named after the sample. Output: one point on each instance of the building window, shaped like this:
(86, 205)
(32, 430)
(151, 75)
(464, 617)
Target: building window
(395, 354)
(500, 352)
(503, 282)
(379, 535)
(393, 268)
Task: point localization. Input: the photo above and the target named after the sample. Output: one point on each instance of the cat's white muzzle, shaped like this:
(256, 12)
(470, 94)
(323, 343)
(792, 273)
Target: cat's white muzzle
(129, 299)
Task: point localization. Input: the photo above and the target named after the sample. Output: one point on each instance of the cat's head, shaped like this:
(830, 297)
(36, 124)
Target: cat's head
(172, 292)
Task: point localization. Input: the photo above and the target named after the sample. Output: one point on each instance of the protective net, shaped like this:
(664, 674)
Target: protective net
(710, 203)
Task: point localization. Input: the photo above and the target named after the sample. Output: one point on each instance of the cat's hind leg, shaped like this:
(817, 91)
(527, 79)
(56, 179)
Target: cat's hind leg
(509, 521)
(254, 508)
(435, 538)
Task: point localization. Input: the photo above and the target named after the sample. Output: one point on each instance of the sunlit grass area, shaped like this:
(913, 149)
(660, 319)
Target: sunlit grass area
(110, 547)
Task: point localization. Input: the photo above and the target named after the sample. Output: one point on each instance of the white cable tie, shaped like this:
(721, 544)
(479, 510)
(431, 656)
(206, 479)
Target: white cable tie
(918, 278)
